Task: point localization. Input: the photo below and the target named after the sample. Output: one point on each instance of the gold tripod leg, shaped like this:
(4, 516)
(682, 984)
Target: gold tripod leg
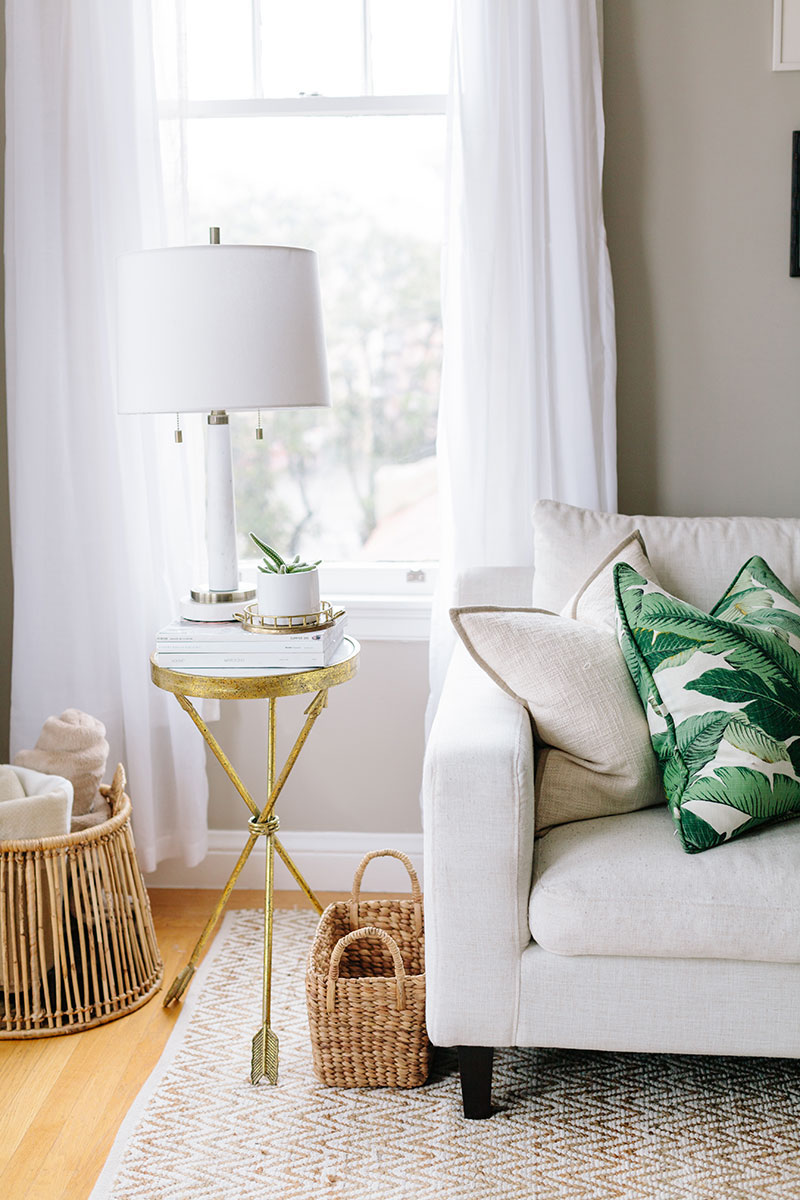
(316, 706)
(264, 1058)
(296, 874)
(183, 979)
(218, 752)
(320, 701)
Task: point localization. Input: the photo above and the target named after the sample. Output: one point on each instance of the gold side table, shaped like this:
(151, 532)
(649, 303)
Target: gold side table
(264, 821)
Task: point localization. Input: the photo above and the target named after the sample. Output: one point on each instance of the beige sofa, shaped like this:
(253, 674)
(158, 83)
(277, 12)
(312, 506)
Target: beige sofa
(602, 934)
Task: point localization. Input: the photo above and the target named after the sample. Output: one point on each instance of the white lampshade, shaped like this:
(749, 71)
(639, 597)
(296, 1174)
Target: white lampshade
(220, 327)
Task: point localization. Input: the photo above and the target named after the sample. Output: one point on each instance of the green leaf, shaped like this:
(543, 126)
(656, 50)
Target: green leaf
(675, 777)
(776, 710)
(763, 652)
(755, 575)
(663, 745)
(699, 736)
(666, 647)
(634, 664)
(761, 572)
(794, 756)
(776, 620)
(269, 553)
(748, 790)
(696, 834)
(735, 687)
(677, 660)
(741, 605)
(746, 736)
(668, 615)
(628, 586)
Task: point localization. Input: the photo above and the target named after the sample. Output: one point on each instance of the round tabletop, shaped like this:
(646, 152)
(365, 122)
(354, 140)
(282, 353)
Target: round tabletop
(261, 685)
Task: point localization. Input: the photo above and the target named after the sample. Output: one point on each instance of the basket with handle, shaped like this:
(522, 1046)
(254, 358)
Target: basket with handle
(365, 989)
(77, 943)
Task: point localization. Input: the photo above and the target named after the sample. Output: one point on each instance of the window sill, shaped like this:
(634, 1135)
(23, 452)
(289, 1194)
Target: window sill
(382, 618)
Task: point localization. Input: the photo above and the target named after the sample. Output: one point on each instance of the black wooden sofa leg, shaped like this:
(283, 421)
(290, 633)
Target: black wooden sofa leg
(475, 1065)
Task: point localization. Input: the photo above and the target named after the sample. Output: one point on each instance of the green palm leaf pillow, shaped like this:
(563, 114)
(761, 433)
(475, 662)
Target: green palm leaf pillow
(721, 691)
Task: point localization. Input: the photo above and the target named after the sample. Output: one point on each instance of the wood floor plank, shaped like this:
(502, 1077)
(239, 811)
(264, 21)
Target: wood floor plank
(26, 1078)
(64, 1098)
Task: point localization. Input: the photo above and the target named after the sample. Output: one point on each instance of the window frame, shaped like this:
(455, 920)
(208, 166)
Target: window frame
(385, 600)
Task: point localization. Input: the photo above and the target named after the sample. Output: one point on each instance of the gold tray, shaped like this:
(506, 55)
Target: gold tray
(256, 622)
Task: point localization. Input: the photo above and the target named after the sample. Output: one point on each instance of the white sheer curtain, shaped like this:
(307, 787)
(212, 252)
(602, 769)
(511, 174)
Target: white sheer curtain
(99, 511)
(527, 407)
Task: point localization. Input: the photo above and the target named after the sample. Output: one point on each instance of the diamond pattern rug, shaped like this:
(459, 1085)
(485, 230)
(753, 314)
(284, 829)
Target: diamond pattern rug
(571, 1125)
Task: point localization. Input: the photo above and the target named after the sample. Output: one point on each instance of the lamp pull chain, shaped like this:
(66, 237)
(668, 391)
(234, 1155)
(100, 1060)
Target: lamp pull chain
(259, 430)
(178, 430)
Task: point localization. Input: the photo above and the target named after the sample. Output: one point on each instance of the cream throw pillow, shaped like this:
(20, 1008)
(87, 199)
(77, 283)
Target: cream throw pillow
(597, 758)
(595, 600)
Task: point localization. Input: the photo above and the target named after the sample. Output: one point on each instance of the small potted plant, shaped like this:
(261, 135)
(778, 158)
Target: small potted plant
(285, 589)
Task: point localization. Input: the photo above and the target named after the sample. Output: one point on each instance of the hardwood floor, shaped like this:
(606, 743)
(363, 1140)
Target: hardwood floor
(62, 1099)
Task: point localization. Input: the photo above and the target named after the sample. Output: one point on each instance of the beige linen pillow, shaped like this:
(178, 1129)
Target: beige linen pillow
(597, 758)
(595, 601)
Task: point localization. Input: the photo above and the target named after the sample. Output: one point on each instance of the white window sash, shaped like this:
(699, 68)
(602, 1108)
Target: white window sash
(307, 106)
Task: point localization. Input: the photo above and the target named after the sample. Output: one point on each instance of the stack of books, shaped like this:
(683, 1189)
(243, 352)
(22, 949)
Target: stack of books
(220, 646)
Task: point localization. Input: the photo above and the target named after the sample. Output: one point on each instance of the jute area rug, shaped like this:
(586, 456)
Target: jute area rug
(571, 1124)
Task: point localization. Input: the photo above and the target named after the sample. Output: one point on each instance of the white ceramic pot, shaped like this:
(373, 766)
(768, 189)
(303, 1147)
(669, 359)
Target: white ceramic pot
(292, 595)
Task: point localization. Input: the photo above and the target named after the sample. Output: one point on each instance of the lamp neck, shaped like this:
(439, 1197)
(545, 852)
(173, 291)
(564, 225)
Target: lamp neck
(218, 416)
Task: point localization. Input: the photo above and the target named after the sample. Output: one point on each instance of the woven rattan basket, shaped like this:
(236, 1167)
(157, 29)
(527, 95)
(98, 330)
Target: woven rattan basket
(77, 944)
(365, 990)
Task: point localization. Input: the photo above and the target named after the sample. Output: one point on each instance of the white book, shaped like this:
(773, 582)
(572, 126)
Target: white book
(213, 672)
(226, 637)
(264, 654)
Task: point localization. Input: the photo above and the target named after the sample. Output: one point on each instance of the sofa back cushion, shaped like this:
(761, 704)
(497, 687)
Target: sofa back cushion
(694, 557)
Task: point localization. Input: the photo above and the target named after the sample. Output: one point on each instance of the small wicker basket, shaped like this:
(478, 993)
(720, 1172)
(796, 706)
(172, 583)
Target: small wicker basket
(77, 943)
(366, 1008)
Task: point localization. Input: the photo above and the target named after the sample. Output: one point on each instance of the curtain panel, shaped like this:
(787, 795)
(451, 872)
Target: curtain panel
(101, 535)
(529, 376)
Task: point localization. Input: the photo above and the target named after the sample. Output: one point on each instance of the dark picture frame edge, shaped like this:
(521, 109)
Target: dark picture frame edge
(794, 222)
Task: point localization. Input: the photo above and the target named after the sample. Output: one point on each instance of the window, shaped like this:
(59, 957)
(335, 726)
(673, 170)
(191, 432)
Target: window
(321, 123)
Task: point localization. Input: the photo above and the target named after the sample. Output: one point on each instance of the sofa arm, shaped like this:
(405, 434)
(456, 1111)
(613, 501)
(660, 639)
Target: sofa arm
(509, 586)
(478, 823)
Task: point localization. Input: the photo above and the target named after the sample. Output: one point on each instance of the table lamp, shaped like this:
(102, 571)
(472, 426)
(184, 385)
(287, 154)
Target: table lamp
(211, 329)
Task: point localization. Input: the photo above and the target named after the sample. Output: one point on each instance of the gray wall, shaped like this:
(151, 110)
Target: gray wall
(697, 185)
(362, 766)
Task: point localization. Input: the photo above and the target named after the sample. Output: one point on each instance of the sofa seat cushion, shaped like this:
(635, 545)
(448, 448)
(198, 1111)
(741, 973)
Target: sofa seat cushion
(622, 886)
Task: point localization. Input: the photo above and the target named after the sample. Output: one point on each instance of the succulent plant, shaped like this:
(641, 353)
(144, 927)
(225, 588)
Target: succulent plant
(273, 564)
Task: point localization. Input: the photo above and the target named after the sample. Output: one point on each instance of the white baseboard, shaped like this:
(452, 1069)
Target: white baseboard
(327, 860)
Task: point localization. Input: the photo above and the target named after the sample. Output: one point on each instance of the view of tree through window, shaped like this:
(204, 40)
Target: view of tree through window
(360, 183)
